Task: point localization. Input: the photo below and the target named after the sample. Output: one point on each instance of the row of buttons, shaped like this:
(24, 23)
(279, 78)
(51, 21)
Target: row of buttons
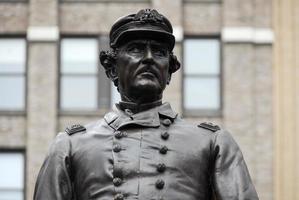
(161, 167)
(117, 181)
(119, 135)
(117, 148)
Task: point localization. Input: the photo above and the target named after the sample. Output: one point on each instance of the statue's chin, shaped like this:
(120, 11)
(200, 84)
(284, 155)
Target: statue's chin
(142, 90)
(146, 92)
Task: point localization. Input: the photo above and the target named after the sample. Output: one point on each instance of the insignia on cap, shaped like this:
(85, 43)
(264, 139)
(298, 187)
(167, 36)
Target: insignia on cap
(75, 129)
(210, 126)
(148, 15)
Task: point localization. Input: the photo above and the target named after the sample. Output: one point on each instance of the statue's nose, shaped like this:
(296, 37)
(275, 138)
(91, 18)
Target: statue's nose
(148, 55)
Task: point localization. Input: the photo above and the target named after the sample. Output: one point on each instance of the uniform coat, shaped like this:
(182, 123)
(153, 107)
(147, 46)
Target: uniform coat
(153, 154)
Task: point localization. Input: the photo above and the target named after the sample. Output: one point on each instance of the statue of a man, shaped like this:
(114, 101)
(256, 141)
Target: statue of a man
(143, 149)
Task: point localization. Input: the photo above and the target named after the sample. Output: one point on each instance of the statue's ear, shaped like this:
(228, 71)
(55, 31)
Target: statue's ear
(107, 59)
(174, 65)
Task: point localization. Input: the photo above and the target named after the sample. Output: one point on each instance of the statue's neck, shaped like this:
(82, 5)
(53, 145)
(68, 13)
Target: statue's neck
(146, 98)
(136, 107)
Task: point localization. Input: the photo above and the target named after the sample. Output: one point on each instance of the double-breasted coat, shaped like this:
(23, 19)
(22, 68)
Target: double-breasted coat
(153, 154)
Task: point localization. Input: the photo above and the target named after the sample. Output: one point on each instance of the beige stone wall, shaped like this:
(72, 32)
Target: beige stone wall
(13, 18)
(93, 18)
(286, 93)
(202, 19)
(12, 132)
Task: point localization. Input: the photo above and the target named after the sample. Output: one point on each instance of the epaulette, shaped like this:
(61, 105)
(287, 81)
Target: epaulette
(76, 128)
(210, 126)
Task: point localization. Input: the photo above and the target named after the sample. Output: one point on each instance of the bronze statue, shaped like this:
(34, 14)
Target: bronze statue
(143, 149)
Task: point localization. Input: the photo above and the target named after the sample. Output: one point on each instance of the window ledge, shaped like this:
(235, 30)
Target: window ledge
(12, 113)
(94, 113)
(202, 113)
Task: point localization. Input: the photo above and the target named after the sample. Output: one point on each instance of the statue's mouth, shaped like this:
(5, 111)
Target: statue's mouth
(148, 74)
(147, 71)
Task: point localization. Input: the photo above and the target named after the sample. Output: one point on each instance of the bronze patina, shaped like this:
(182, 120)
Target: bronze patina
(142, 149)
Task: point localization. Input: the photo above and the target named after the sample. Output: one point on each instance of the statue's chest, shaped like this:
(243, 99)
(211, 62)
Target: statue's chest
(143, 150)
(139, 157)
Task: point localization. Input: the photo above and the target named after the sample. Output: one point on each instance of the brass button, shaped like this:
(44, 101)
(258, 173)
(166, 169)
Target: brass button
(161, 167)
(117, 182)
(164, 135)
(160, 184)
(119, 196)
(128, 112)
(166, 122)
(124, 134)
(118, 134)
(163, 150)
(117, 148)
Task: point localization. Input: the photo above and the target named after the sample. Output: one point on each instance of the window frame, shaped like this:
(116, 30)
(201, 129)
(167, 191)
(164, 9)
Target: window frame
(24, 110)
(23, 152)
(98, 110)
(203, 112)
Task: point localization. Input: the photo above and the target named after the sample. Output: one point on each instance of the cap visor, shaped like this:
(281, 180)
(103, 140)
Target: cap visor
(129, 35)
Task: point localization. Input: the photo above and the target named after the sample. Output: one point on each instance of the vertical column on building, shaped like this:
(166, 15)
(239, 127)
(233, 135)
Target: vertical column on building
(238, 73)
(263, 92)
(286, 98)
(43, 36)
(247, 48)
(173, 10)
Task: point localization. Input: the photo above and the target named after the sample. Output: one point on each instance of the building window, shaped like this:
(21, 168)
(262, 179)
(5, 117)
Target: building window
(12, 176)
(12, 74)
(83, 83)
(202, 77)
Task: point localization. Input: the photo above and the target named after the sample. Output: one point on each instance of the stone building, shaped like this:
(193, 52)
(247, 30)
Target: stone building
(50, 78)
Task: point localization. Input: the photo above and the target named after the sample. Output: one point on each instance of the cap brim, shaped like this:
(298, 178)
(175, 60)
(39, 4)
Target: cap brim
(128, 35)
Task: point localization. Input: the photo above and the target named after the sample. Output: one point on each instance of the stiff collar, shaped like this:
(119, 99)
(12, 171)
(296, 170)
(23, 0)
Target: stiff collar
(118, 118)
(136, 108)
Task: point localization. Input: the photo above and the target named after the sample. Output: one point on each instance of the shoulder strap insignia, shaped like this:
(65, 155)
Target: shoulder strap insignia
(75, 129)
(210, 126)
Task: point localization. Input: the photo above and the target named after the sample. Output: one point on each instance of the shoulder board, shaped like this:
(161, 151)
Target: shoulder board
(75, 129)
(209, 126)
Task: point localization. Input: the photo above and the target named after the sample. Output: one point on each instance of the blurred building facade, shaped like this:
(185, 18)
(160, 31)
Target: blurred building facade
(50, 78)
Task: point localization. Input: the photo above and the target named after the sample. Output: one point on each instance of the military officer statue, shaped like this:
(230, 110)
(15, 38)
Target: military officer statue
(143, 149)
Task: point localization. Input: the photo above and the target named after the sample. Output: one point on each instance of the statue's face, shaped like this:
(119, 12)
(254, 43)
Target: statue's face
(143, 68)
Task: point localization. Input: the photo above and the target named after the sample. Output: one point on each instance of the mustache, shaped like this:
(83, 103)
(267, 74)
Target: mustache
(148, 68)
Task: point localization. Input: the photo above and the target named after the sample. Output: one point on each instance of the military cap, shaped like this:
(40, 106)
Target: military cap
(147, 23)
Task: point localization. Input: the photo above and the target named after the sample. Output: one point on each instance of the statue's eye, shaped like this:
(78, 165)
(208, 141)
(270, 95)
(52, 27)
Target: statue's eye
(159, 51)
(134, 49)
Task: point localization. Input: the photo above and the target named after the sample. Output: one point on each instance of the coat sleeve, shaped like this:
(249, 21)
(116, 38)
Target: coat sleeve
(53, 181)
(231, 179)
